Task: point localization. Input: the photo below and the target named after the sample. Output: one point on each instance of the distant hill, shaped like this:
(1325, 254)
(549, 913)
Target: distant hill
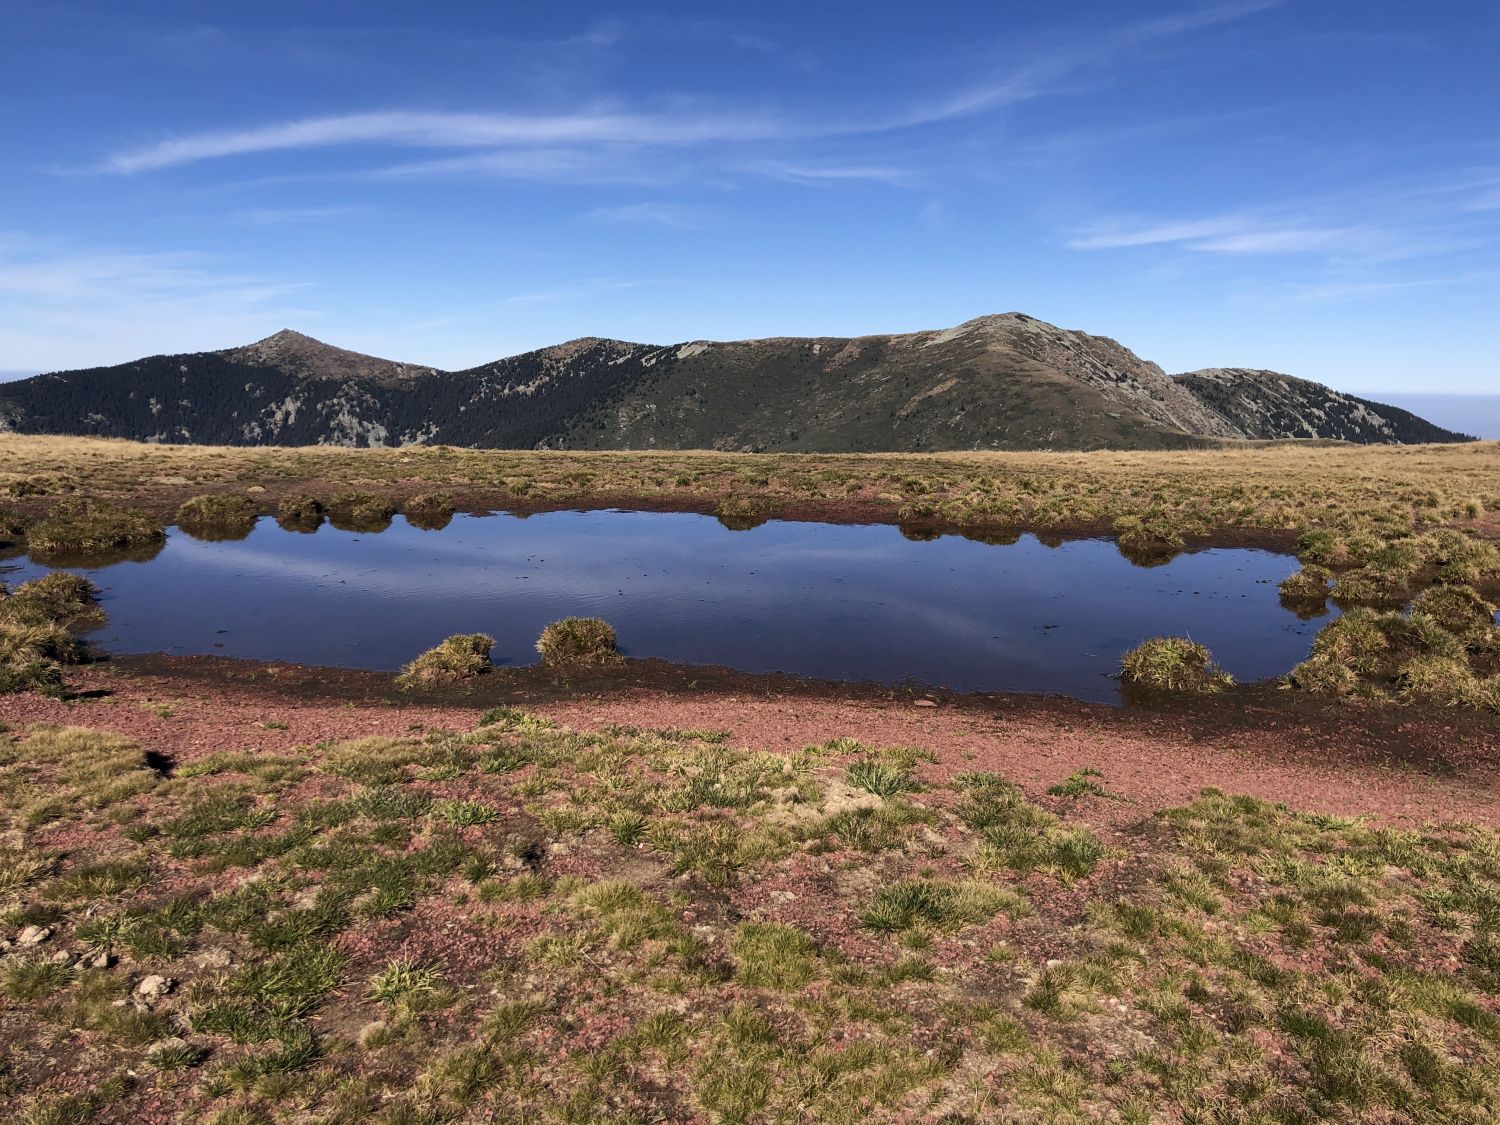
(997, 382)
(1267, 404)
(1477, 414)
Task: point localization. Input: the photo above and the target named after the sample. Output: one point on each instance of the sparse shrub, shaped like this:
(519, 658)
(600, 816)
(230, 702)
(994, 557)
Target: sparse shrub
(579, 642)
(430, 511)
(223, 515)
(82, 528)
(300, 513)
(456, 660)
(1175, 664)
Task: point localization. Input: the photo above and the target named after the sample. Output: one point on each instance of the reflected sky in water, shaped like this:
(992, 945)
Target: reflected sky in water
(832, 601)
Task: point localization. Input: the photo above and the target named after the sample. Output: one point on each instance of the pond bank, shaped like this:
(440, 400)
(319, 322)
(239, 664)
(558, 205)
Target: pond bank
(1399, 765)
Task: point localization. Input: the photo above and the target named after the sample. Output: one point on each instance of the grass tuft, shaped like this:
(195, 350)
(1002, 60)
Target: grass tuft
(1173, 664)
(457, 660)
(579, 642)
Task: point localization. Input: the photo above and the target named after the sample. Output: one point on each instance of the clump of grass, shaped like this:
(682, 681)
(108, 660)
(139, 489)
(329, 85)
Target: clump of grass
(1173, 664)
(1021, 836)
(1435, 655)
(1148, 534)
(879, 778)
(1080, 784)
(1369, 585)
(219, 515)
(83, 528)
(461, 814)
(59, 598)
(404, 980)
(937, 904)
(1457, 609)
(429, 511)
(360, 511)
(32, 980)
(1441, 680)
(456, 660)
(740, 513)
(1310, 584)
(36, 631)
(772, 955)
(579, 642)
(300, 513)
(13, 525)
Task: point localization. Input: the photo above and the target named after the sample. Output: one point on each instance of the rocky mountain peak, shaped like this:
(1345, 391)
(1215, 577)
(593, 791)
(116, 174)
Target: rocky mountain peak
(305, 355)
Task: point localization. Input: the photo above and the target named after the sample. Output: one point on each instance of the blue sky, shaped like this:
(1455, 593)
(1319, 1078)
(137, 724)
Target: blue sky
(1311, 187)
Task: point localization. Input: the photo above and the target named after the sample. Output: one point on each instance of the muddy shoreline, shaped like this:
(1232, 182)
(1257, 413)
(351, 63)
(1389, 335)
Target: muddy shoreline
(1436, 743)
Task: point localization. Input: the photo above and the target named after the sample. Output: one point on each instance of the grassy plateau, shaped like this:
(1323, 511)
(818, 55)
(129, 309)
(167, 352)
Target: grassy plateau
(502, 916)
(524, 922)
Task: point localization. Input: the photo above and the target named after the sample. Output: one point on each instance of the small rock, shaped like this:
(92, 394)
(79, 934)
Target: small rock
(34, 935)
(256, 489)
(213, 959)
(61, 957)
(372, 1033)
(925, 703)
(1053, 963)
(100, 960)
(154, 987)
(172, 1044)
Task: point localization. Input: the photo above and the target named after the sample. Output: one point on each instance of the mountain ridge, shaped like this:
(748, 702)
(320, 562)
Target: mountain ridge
(1001, 381)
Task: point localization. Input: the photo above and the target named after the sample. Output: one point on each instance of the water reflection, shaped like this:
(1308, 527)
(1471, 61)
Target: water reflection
(833, 601)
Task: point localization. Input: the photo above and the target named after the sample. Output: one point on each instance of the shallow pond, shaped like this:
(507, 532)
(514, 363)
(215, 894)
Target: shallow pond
(844, 602)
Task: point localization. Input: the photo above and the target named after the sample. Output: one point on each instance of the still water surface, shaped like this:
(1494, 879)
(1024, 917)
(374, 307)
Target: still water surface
(832, 601)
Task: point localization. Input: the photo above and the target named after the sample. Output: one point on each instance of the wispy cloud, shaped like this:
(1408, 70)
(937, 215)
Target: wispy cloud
(676, 215)
(824, 174)
(499, 134)
(1372, 224)
(1050, 69)
(601, 164)
(401, 128)
(276, 216)
(1227, 234)
(572, 292)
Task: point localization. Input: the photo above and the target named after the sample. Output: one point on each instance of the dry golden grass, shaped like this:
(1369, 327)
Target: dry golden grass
(1276, 486)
